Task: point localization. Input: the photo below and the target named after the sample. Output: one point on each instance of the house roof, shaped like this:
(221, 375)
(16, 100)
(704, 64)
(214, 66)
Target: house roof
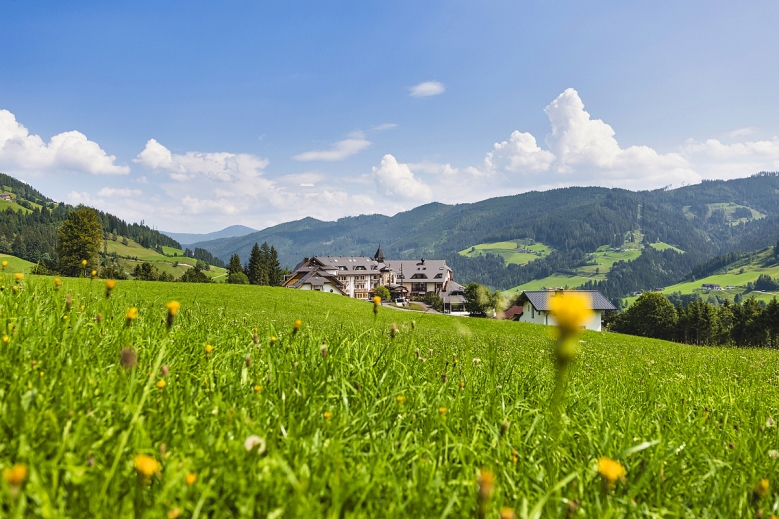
(540, 299)
(513, 311)
(350, 262)
(427, 267)
(453, 293)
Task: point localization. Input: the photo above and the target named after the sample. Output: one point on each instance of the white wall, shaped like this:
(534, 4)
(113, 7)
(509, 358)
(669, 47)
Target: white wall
(544, 318)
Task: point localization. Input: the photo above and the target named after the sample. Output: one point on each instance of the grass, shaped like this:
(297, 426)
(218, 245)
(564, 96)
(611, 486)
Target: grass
(664, 246)
(14, 206)
(16, 264)
(553, 281)
(510, 250)
(165, 263)
(690, 424)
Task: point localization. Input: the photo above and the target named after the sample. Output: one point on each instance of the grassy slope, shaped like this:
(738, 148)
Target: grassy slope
(68, 410)
(508, 249)
(16, 264)
(163, 262)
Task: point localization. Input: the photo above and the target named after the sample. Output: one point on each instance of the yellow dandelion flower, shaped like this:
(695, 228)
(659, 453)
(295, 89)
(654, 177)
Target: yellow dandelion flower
(132, 314)
(15, 475)
(209, 348)
(257, 389)
(18, 276)
(610, 471)
(6, 338)
(376, 300)
(174, 513)
(297, 324)
(507, 513)
(5, 264)
(94, 273)
(273, 341)
(191, 478)
(40, 374)
(400, 399)
(173, 307)
(110, 284)
(145, 465)
(57, 282)
(442, 410)
(327, 415)
(83, 263)
(761, 489)
(570, 311)
(161, 384)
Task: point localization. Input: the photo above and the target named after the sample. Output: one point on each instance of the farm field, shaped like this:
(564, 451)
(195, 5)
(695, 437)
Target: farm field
(663, 246)
(510, 251)
(555, 280)
(339, 419)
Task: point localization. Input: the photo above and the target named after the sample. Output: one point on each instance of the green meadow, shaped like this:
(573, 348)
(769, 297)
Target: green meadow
(518, 252)
(239, 415)
(168, 263)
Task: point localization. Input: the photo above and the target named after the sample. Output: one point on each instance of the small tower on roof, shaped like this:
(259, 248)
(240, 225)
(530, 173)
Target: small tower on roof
(379, 256)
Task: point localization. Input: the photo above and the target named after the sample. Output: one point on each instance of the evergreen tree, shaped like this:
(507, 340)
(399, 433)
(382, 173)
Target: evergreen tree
(254, 267)
(276, 275)
(652, 315)
(234, 267)
(771, 319)
(79, 238)
(265, 259)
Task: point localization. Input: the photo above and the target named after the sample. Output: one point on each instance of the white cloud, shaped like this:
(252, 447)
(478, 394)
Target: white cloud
(339, 151)
(383, 127)
(122, 192)
(427, 89)
(717, 150)
(397, 181)
(519, 154)
(741, 132)
(434, 168)
(69, 151)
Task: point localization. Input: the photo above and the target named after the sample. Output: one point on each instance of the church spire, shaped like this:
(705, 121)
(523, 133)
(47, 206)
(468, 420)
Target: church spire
(379, 256)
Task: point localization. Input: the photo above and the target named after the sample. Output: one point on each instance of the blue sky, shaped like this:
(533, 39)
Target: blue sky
(197, 115)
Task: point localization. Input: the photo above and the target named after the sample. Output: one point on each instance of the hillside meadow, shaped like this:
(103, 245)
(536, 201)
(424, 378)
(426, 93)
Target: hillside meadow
(230, 412)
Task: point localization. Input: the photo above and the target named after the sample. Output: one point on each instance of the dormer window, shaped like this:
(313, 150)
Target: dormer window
(360, 267)
(419, 276)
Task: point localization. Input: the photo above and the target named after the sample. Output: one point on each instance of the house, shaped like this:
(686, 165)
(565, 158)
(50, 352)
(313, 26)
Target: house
(514, 313)
(6, 197)
(711, 286)
(536, 305)
(453, 295)
(360, 275)
(310, 275)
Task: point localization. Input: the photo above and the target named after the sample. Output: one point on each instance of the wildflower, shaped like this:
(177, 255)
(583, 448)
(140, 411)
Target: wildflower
(327, 415)
(773, 454)
(94, 273)
(191, 478)
(394, 330)
(610, 471)
(16, 475)
(6, 339)
(400, 399)
(462, 384)
(570, 311)
(761, 489)
(272, 341)
(254, 441)
(476, 360)
(57, 283)
(110, 284)
(5, 264)
(486, 484)
(146, 466)
(174, 513)
(257, 389)
(376, 304)
(83, 263)
(296, 326)
(18, 276)
(507, 513)
(40, 374)
(442, 410)
(161, 384)
(209, 348)
(514, 456)
(173, 309)
(127, 358)
(131, 315)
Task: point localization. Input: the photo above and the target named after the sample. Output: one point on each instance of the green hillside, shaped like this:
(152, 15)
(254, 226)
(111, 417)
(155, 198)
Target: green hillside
(132, 254)
(235, 411)
(16, 264)
(518, 252)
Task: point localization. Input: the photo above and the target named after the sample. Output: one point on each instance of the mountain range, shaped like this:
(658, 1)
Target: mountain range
(228, 232)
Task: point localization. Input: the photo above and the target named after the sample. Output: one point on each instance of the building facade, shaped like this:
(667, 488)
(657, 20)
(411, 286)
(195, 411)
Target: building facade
(536, 307)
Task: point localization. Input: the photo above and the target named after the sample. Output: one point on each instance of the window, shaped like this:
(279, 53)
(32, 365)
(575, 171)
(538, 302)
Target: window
(360, 267)
(438, 276)
(419, 276)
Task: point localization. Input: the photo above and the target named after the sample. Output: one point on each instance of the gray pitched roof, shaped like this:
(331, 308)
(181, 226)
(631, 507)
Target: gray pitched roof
(540, 299)
(429, 268)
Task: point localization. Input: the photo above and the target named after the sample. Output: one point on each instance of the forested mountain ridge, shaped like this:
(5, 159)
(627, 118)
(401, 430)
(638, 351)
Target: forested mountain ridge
(28, 225)
(574, 221)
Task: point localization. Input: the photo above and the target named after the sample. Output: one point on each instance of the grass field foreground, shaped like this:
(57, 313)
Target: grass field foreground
(233, 413)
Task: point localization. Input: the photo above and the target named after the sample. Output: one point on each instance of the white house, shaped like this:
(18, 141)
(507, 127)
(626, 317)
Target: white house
(536, 305)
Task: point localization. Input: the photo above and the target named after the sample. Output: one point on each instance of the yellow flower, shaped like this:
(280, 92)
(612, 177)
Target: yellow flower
(209, 348)
(132, 314)
(94, 273)
(18, 276)
(377, 300)
(57, 282)
(174, 513)
(161, 384)
(610, 471)
(507, 513)
(5, 264)
(570, 311)
(173, 307)
(83, 263)
(297, 324)
(761, 489)
(145, 465)
(327, 415)
(400, 399)
(41, 373)
(272, 341)
(110, 284)
(191, 478)
(15, 475)
(6, 339)
(442, 410)
(257, 389)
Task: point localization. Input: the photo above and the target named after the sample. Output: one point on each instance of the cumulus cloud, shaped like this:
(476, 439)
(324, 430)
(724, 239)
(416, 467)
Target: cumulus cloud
(583, 151)
(741, 132)
(122, 192)
(427, 89)
(434, 168)
(397, 181)
(69, 151)
(339, 151)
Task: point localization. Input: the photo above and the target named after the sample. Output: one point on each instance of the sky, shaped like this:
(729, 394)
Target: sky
(194, 115)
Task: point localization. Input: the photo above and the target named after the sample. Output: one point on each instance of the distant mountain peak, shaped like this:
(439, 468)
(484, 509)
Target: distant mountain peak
(233, 231)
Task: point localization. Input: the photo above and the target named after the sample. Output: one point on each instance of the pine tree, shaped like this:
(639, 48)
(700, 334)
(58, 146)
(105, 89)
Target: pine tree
(265, 261)
(254, 267)
(276, 275)
(234, 267)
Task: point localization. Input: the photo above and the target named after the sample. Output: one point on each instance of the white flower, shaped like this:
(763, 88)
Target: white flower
(476, 360)
(254, 441)
(773, 454)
